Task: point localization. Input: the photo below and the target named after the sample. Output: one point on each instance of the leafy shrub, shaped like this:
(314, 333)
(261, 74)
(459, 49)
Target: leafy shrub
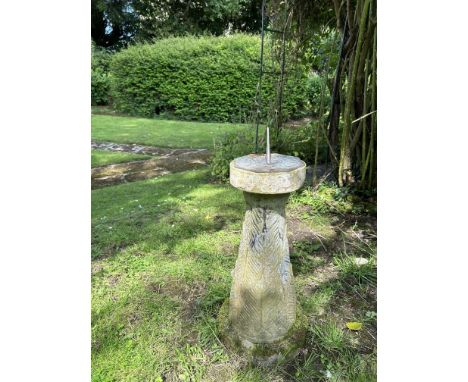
(231, 146)
(296, 142)
(329, 198)
(199, 78)
(315, 86)
(100, 86)
(300, 142)
(100, 77)
(324, 50)
(100, 58)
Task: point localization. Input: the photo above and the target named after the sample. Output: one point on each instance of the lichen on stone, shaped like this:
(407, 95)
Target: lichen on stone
(263, 354)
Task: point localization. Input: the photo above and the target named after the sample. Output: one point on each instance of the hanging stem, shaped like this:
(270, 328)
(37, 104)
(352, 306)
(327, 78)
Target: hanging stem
(321, 120)
(259, 92)
(279, 119)
(317, 130)
(365, 150)
(332, 137)
(363, 121)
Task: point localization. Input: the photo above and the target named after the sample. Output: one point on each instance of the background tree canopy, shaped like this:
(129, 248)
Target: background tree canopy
(115, 23)
(333, 41)
(351, 126)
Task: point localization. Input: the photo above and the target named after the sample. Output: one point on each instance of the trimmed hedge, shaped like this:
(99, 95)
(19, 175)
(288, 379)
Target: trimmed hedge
(100, 86)
(100, 78)
(198, 78)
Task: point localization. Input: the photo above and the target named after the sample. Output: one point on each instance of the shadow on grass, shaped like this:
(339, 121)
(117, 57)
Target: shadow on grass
(160, 212)
(165, 272)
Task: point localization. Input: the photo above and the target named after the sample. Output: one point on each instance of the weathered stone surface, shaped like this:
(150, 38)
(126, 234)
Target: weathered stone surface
(135, 148)
(262, 354)
(251, 173)
(262, 305)
(263, 300)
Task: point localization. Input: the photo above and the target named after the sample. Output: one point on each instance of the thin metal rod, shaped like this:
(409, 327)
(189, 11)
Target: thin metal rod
(268, 153)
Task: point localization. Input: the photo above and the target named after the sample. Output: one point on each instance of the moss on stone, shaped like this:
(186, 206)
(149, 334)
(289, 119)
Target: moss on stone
(264, 354)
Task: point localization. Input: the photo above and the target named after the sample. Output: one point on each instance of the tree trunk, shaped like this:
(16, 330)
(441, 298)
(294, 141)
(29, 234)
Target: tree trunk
(345, 172)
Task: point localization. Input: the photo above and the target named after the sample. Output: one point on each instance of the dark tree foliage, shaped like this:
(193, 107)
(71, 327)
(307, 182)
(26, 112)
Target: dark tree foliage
(162, 18)
(114, 23)
(249, 17)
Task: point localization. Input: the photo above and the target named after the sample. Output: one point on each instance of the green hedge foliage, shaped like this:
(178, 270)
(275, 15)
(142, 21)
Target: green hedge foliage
(100, 87)
(199, 78)
(230, 146)
(315, 86)
(100, 77)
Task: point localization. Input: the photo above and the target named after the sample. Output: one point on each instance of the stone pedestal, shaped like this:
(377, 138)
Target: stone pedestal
(262, 306)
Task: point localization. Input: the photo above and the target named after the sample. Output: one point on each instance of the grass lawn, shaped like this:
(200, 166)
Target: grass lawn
(103, 157)
(158, 132)
(162, 253)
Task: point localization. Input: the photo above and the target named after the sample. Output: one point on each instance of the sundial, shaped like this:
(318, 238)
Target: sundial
(258, 163)
(262, 314)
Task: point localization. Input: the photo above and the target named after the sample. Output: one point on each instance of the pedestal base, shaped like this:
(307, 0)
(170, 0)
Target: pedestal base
(261, 320)
(261, 354)
(262, 304)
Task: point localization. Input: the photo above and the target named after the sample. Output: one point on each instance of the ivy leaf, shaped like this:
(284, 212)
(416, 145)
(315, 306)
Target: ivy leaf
(354, 325)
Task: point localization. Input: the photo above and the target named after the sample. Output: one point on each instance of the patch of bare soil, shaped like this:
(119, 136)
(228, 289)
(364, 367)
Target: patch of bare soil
(299, 231)
(347, 306)
(352, 233)
(169, 161)
(295, 123)
(321, 275)
(114, 280)
(96, 267)
(184, 294)
(349, 229)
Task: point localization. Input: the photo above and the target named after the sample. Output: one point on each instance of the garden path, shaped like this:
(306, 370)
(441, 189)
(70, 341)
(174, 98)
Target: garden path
(166, 161)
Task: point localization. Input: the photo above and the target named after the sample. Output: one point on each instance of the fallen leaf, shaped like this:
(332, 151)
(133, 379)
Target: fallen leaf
(354, 325)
